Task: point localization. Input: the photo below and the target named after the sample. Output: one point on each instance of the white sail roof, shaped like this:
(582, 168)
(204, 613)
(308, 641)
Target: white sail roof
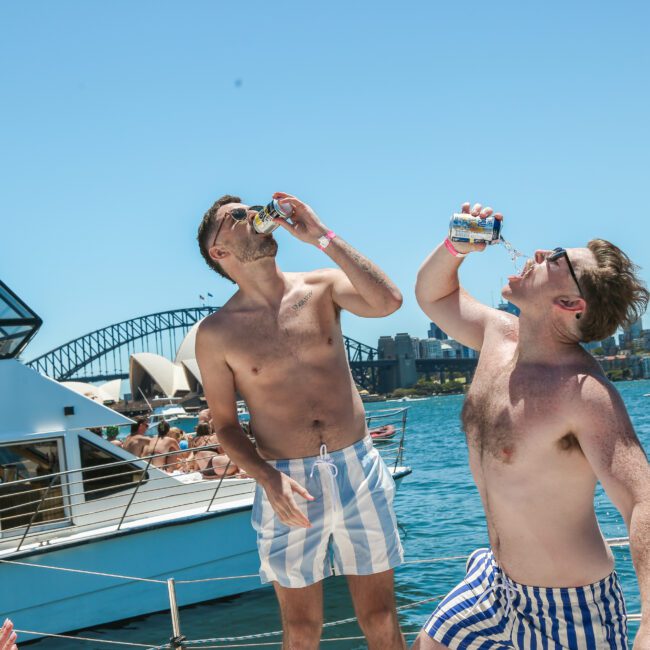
(32, 403)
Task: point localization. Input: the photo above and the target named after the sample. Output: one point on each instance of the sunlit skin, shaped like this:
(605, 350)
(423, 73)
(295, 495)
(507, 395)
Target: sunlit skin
(8, 636)
(278, 343)
(543, 426)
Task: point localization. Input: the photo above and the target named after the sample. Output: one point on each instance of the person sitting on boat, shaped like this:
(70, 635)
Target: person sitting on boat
(211, 464)
(180, 437)
(111, 436)
(8, 636)
(138, 440)
(162, 449)
(205, 417)
(321, 484)
(543, 426)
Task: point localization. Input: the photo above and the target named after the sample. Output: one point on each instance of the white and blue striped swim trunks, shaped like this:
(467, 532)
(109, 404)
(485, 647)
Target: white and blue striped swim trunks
(352, 519)
(488, 610)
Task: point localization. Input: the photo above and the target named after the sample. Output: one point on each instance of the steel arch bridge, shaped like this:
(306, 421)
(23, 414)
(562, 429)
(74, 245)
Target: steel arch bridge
(104, 354)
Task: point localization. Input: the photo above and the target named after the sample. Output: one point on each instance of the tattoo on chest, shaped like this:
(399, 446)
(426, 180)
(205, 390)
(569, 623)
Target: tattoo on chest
(303, 301)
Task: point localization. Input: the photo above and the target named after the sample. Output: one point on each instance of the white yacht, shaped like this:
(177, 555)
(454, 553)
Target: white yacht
(71, 499)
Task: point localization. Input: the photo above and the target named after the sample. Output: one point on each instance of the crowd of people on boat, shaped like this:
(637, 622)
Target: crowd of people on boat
(176, 451)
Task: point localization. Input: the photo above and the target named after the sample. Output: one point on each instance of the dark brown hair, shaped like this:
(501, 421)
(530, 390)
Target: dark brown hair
(615, 296)
(207, 230)
(140, 419)
(163, 428)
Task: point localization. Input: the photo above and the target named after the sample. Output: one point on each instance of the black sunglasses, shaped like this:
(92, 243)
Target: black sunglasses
(238, 215)
(556, 255)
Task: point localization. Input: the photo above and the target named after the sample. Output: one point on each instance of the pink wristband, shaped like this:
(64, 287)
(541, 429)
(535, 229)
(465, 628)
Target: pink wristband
(324, 241)
(450, 247)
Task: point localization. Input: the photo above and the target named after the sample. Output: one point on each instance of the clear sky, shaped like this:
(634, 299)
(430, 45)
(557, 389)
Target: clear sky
(123, 121)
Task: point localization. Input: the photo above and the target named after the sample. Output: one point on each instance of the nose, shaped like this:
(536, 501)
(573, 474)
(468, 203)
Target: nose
(541, 255)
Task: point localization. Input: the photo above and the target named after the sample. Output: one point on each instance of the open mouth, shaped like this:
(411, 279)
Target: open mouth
(528, 267)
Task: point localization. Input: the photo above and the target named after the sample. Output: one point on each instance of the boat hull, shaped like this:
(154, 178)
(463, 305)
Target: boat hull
(214, 545)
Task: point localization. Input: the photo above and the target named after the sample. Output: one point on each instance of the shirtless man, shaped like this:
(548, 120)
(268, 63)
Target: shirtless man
(278, 343)
(163, 444)
(137, 441)
(543, 426)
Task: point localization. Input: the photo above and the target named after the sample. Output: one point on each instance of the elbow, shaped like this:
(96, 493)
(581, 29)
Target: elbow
(391, 303)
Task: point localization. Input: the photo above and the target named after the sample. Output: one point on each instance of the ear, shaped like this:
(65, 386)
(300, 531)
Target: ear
(574, 305)
(218, 254)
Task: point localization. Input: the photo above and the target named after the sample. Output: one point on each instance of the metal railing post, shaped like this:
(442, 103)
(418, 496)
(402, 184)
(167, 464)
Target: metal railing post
(137, 487)
(38, 509)
(223, 476)
(176, 641)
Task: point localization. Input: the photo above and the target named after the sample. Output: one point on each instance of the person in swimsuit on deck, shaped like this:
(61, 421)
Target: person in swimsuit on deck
(163, 443)
(543, 426)
(321, 485)
(211, 464)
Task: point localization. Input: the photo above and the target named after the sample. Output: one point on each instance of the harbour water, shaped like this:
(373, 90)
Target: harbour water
(441, 516)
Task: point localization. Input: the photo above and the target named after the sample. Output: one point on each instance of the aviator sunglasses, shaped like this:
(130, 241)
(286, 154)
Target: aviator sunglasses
(555, 255)
(237, 215)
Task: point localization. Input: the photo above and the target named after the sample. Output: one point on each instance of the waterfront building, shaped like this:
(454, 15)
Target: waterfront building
(430, 349)
(461, 351)
(609, 345)
(645, 367)
(436, 333)
(416, 347)
(156, 376)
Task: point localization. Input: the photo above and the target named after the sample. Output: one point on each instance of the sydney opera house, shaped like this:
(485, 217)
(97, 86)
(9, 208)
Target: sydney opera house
(152, 375)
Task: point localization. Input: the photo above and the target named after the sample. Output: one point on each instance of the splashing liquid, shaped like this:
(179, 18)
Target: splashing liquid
(518, 258)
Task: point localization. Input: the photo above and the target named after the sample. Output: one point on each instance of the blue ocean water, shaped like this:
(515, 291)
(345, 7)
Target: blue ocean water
(440, 512)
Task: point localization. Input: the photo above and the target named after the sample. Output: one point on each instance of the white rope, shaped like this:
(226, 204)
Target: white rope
(264, 635)
(84, 638)
(92, 573)
(188, 582)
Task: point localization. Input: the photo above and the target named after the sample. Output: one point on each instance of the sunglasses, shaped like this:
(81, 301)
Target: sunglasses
(238, 215)
(555, 255)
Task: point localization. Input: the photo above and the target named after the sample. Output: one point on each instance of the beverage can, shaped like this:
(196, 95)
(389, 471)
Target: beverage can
(263, 220)
(474, 230)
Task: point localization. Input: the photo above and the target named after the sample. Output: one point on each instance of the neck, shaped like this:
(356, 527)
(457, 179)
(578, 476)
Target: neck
(262, 283)
(543, 340)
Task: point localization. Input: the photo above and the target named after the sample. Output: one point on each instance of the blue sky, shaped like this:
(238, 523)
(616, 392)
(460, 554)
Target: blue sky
(123, 121)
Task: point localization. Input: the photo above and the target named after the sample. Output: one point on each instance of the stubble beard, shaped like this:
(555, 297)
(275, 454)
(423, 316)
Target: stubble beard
(256, 248)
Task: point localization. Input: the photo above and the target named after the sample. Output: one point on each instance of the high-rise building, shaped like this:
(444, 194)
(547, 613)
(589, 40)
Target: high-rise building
(416, 347)
(633, 331)
(436, 333)
(431, 349)
(406, 371)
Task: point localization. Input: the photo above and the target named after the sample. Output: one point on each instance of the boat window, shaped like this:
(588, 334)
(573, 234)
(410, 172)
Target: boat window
(100, 481)
(28, 491)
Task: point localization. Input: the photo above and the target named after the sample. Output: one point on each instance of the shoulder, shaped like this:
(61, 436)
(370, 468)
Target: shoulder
(598, 408)
(315, 277)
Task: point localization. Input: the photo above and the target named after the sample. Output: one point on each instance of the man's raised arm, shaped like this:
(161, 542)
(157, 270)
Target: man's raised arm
(360, 287)
(219, 387)
(444, 301)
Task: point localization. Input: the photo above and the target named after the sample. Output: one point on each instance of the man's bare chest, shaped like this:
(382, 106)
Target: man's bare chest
(507, 415)
(293, 336)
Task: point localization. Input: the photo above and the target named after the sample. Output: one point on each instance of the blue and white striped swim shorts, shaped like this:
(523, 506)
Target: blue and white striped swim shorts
(352, 519)
(488, 610)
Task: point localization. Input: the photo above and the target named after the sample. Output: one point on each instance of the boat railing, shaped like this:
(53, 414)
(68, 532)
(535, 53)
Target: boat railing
(48, 505)
(125, 499)
(391, 449)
